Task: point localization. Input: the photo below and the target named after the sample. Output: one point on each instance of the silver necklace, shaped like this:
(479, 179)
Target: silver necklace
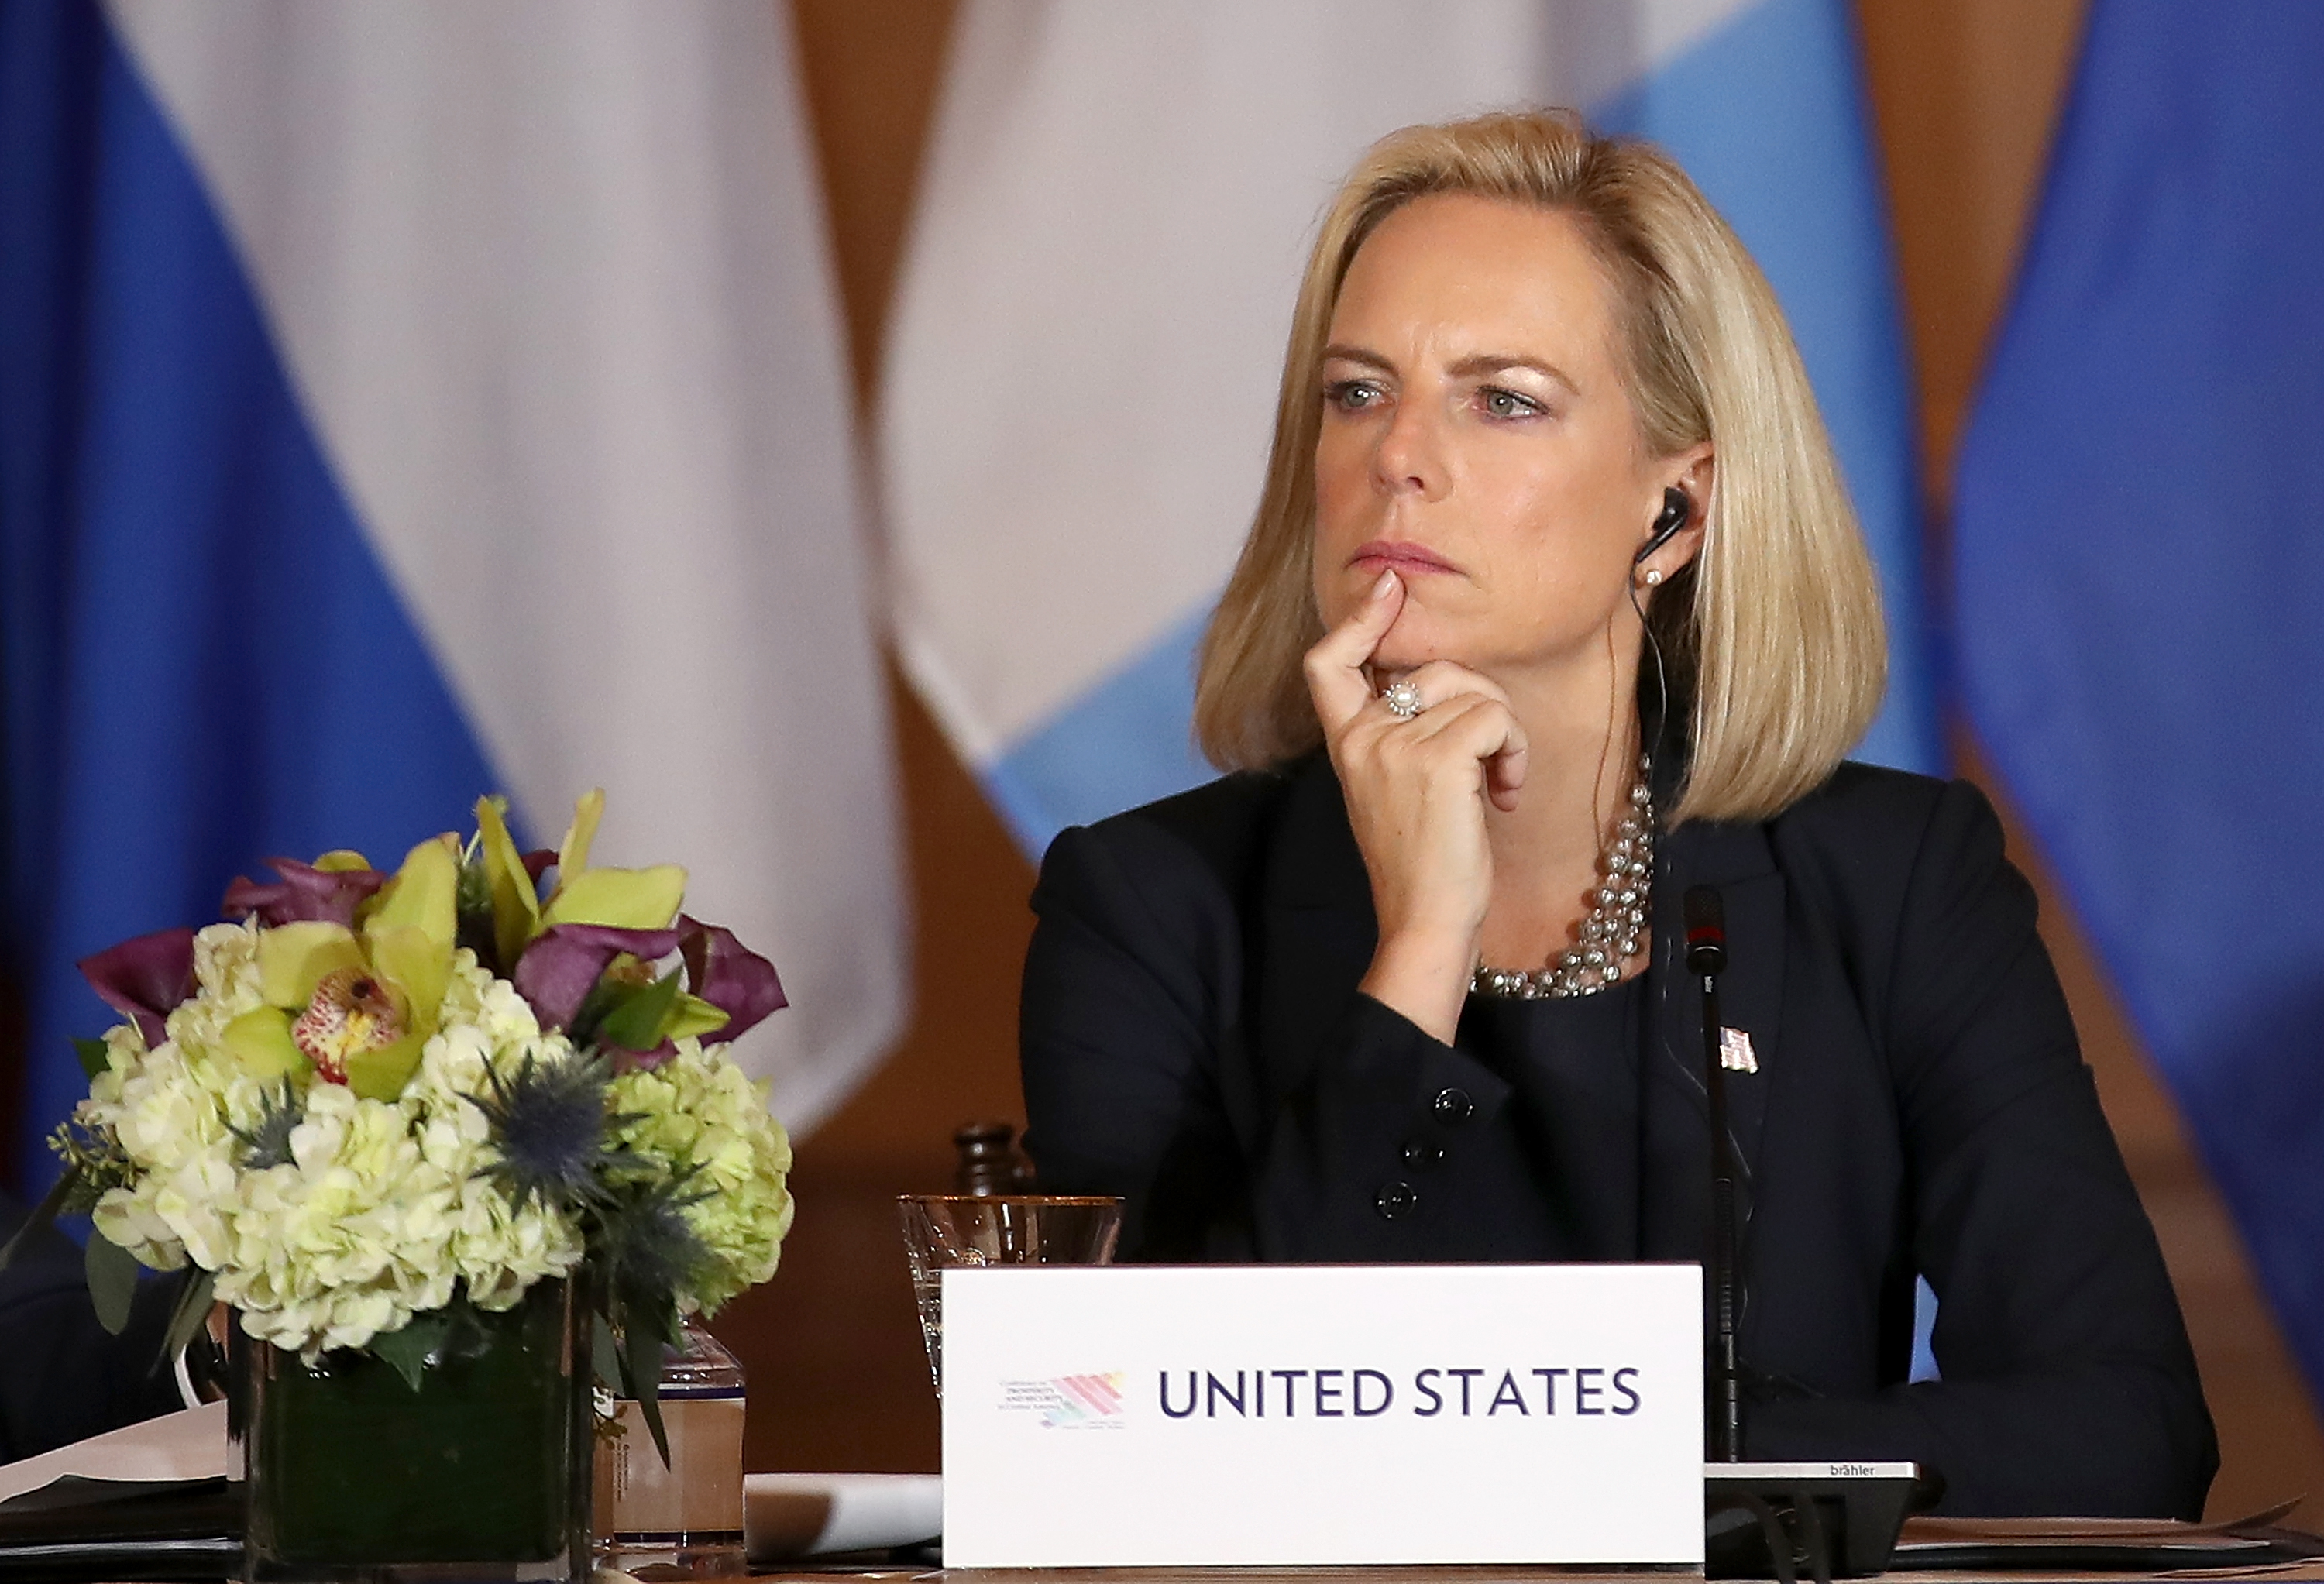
(1615, 924)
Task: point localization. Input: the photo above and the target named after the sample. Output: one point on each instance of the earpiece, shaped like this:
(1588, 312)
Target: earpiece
(1676, 509)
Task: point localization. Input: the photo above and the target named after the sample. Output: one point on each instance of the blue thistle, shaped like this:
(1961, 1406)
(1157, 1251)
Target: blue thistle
(549, 1126)
(268, 1143)
(650, 1250)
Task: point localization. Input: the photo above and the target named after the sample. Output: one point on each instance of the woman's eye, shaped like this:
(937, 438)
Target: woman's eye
(1500, 403)
(1352, 395)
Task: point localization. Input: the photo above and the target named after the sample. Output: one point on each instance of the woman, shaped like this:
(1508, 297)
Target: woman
(1553, 609)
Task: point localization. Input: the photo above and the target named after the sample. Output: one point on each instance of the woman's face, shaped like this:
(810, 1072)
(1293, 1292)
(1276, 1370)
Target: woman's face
(1477, 439)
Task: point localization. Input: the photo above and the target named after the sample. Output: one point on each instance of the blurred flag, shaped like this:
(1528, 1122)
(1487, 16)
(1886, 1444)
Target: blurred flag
(1114, 213)
(401, 402)
(2139, 560)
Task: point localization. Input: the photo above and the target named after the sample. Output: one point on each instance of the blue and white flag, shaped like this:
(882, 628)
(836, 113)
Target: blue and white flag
(401, 401)
(2139, 561)
(1114, 213)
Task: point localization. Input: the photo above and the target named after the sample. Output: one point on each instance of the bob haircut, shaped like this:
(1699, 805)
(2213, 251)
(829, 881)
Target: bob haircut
(1771, 635)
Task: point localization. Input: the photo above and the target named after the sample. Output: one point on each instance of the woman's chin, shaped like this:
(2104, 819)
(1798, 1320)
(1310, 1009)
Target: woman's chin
(1402, 652)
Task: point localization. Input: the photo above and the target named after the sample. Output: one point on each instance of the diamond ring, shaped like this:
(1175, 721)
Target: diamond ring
(1403, 698)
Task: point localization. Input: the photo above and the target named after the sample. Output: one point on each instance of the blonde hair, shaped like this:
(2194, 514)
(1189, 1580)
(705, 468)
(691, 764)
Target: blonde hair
(1773, 633)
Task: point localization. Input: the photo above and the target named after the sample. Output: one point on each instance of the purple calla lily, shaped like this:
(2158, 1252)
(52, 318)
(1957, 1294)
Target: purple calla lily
(304, 893)
(730, 976)
(563, 963)
(144, 979)
(628, 1061)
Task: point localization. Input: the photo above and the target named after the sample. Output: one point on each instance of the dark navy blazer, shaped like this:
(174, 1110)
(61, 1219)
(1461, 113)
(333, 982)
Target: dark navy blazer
(1192, 1039)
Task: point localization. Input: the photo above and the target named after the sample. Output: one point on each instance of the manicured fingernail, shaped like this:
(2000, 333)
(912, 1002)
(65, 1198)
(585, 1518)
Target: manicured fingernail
(1386, 582)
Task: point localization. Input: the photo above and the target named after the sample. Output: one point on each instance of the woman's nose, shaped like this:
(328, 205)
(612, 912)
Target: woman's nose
(1409, 458)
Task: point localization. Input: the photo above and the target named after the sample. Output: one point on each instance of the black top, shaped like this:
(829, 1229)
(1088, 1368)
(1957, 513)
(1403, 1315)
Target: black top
(1574, 1067)
(1194, 1040)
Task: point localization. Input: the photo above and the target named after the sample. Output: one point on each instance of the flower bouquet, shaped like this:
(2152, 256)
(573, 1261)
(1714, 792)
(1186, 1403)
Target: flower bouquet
(410, 1127)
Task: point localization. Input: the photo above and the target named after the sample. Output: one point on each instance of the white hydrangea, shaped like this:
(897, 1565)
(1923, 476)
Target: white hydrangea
(382, 1211)
(701, 1119)
(225, 973)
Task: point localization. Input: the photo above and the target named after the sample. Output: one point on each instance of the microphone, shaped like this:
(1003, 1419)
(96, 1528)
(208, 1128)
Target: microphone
(1706, 956)
(1706, 930)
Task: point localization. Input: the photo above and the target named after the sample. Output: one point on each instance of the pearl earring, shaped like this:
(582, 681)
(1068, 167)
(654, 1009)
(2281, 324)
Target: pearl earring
(1654, 576)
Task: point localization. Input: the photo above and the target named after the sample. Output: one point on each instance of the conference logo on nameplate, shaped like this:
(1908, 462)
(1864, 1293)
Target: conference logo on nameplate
(1311, 1415)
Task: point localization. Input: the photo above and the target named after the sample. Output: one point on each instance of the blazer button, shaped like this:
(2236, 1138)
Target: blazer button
(1396, 1201)
(1421, 1154)
(1452, 1105)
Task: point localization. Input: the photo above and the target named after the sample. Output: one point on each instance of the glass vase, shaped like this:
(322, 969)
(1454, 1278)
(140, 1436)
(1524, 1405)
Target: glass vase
(480, 1473)
(680, 1520)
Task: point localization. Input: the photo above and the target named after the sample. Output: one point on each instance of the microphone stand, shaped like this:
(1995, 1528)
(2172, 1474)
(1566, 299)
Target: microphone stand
(1841, 1519)
(1706, 956)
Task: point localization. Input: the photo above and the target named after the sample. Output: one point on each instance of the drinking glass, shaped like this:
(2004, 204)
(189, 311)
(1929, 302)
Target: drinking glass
(944, 1229)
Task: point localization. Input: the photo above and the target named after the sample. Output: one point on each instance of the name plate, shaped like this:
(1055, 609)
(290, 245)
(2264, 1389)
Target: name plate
(1311, 1415)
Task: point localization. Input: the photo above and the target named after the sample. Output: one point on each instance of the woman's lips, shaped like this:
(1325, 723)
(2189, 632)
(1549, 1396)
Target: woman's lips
(1384, 555)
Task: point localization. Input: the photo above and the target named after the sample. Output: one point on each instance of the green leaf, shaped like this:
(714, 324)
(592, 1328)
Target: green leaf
(413, 1347)
(636, 1024)
(601, 999)
(648, 1382)
(696, 1015)
(111, 1280)
(464, 1335)
(604, 1356)
(649, 1401)
(93, 1059)
(644, 1335)
(43, 1216)
(193, 1308)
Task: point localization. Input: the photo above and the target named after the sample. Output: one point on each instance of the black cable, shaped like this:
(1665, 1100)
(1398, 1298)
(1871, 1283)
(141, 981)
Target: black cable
(1662, 677)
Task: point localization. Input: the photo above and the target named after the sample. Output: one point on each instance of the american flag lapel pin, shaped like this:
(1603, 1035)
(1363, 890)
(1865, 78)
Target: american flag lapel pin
(1735, 1052)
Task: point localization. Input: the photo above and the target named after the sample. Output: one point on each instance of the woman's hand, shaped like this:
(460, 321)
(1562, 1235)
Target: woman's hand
(1416, 791)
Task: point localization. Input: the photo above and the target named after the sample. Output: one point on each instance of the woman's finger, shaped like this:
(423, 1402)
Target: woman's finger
(1505, 770)
(1480, 726)
(1335, 666)
(1436, 682)
(1470, 719)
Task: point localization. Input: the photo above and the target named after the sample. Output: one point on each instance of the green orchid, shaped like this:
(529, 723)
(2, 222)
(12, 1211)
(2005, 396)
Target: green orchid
(355, 1006)
(601, 929)
(617, 899)
(515, 897)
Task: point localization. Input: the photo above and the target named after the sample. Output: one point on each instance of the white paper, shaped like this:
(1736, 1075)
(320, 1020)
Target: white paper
(1293, 1415)
(189, 1444)
(812, 1514)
